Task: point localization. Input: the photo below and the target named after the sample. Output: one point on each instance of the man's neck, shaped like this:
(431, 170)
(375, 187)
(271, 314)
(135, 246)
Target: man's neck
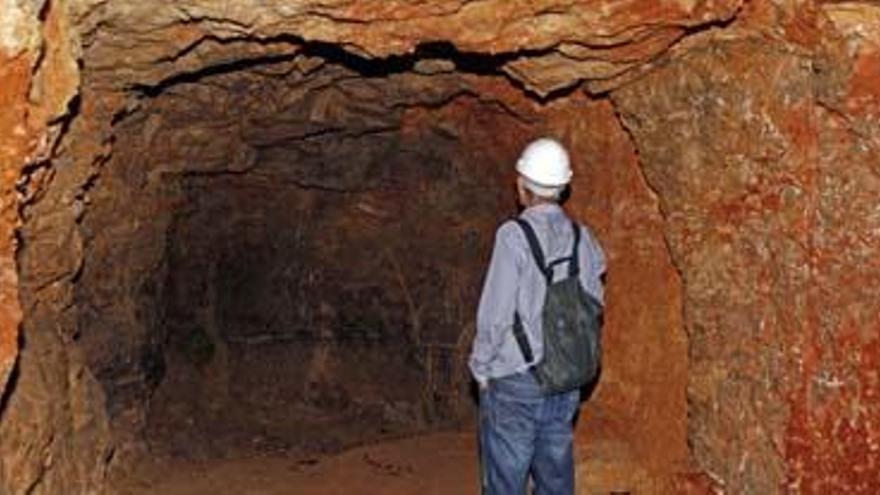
(541, 202)
(540, 205)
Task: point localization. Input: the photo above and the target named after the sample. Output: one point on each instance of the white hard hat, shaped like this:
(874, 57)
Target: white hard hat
(545, 162)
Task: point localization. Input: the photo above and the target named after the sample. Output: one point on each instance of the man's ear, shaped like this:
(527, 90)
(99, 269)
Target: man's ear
(521, 192)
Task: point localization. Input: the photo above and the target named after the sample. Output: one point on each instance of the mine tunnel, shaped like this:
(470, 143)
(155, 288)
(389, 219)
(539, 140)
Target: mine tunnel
(244, 245)
(312, 224)
(285, 255)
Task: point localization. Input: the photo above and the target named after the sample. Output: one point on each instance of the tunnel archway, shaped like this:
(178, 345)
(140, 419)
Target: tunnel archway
(284, 255)
(326, 275)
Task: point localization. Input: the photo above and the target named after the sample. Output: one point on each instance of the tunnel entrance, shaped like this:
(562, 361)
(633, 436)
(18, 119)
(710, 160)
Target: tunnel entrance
(305, 249)
(284, 256)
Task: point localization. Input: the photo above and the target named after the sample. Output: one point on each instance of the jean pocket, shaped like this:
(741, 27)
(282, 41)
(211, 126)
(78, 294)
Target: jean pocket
(516, 417)
(565, 406)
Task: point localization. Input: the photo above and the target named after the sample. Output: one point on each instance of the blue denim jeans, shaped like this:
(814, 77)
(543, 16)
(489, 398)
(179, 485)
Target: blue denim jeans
(525, 431)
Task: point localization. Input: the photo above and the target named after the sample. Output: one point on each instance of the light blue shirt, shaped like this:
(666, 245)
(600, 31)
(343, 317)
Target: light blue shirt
(514, 283)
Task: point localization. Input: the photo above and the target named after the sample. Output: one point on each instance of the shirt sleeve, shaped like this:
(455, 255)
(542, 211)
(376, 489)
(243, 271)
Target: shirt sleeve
(597, 264)
(497, 302)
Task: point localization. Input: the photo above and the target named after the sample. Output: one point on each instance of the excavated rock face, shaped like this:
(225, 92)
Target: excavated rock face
(767, 189)
(230, 214)
(735, 207)
(38, 79)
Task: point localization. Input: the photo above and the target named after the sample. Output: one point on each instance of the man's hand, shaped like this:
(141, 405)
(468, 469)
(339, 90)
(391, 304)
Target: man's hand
(483, 383)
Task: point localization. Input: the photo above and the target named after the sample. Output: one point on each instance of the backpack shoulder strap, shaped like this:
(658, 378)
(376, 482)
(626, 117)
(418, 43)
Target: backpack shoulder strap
(572, 260)
(535, 247)
(574, 268)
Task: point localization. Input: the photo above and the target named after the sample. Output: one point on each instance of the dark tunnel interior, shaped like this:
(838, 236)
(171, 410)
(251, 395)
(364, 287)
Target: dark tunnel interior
(317, 289)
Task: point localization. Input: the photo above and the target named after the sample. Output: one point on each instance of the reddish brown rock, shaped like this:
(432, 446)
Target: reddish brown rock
(766, 192)
(15, 145)
(832, 441)
(19, 37)
(38, 76)
(632, 436)
(15, 75)
(548, 46)
(733, 185)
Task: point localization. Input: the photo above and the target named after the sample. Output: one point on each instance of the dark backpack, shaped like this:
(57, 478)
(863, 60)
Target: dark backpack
(572, 324)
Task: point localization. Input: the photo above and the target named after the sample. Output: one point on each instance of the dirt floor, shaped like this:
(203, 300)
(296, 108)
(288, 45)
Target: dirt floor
(431, 464)
(441, 463)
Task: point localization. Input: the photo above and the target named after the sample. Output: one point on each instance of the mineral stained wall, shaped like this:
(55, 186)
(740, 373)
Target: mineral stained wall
(764, 156)
(755, 125)
(38, 77)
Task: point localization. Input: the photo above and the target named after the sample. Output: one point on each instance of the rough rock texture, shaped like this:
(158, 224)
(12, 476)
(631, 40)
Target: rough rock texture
(15, 76)
(733, 200)
(38, 78)
(19, 39)
(832, 439)
(632, 433)
(755, 125)
(546, 45)
(768, 190)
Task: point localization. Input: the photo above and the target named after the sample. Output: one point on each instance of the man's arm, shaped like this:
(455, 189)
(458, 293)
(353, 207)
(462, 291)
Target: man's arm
(594, 260)
(497, 302)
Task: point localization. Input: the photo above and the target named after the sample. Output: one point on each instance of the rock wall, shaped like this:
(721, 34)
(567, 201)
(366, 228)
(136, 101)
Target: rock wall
(633, 431)
(831, 437)
(765, 169)
(20, 41)
(737, 249)
(15, 76)
(40, 79)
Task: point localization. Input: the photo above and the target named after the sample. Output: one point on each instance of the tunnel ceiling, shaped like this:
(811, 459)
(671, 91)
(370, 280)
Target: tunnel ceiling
(544, 45)
(305, 120)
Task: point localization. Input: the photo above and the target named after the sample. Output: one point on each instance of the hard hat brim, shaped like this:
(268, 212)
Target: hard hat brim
(562, 181)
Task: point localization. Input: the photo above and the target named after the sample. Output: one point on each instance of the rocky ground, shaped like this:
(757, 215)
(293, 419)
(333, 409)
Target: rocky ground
(435, 464)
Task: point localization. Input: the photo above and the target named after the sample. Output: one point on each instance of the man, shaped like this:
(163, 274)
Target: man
(523, 429)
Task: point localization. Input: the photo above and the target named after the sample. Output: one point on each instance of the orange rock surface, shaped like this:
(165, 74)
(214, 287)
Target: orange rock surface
(15, 76)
